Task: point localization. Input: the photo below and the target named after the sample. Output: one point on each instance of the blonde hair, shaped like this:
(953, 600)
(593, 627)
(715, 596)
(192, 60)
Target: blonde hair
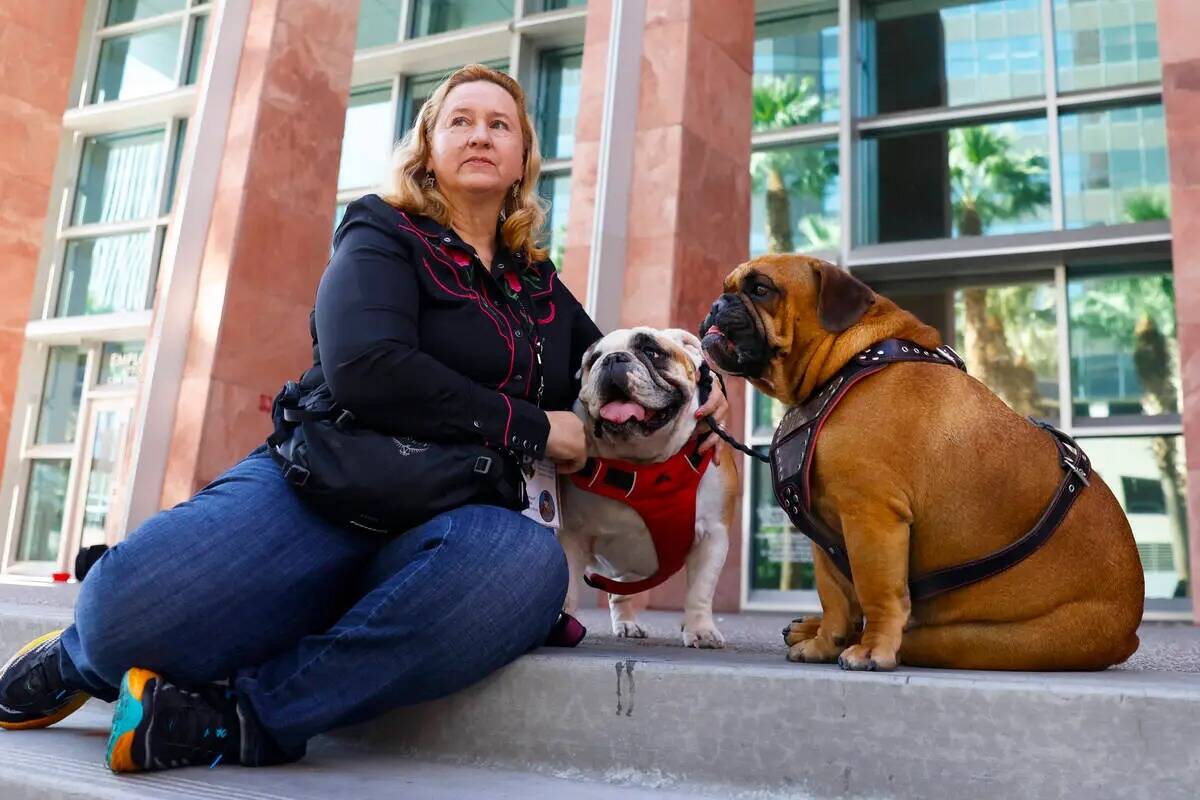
(524, 213)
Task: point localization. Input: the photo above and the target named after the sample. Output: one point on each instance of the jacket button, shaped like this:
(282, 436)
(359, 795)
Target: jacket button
(519, 334)
(518, 377)
(476, 424)
(499, 266)
(447, 240)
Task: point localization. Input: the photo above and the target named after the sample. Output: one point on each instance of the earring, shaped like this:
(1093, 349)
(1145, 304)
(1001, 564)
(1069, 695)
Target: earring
(516, 191)
(429, 181)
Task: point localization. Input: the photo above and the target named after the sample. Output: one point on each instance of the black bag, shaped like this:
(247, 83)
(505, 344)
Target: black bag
(380, 483)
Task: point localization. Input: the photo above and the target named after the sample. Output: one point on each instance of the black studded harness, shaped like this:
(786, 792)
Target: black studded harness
(794, 447)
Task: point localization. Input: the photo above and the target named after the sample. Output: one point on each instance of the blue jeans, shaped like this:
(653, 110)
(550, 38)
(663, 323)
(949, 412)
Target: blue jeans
(318, 625)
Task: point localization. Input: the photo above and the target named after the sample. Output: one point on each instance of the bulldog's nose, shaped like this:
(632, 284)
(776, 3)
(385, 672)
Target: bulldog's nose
(722, 302)
(616, 368)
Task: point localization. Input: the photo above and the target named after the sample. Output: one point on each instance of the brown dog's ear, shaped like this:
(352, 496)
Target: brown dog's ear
(842, 299)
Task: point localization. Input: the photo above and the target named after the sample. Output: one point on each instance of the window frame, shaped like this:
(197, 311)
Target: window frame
(1056, 252)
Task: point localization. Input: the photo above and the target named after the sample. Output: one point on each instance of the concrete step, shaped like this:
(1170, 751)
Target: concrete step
(67, 762)
(744, 722)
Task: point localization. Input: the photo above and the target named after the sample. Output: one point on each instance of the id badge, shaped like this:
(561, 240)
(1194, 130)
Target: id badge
(541, 485)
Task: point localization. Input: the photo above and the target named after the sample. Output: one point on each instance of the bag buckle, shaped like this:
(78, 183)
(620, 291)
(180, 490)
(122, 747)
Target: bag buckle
(344, 418)
(483, 465)
(296, 475)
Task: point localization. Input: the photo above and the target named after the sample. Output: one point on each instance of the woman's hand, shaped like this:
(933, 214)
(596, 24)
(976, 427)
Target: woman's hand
(718, 407)
(566, 445)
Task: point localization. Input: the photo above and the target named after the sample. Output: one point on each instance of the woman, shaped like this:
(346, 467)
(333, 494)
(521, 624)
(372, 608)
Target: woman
(424, 328)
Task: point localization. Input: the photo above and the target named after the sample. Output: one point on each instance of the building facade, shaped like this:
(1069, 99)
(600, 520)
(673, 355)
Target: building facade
(1016, 172)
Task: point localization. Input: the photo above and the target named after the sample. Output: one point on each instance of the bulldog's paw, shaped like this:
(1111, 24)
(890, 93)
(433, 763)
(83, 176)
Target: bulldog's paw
(815, 650)
(864, 657)
(702, 634)
(800, 629)
(628, 629)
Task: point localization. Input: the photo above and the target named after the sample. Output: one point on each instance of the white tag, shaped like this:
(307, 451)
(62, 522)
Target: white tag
(541, 484)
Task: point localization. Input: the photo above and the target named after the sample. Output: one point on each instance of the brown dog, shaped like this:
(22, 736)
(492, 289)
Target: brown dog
(921, 467)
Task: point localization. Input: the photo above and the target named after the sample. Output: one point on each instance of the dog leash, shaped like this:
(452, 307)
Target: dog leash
(705, 382)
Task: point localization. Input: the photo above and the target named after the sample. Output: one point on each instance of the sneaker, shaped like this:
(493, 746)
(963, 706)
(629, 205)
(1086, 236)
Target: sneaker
(33, 693)
(158, 725)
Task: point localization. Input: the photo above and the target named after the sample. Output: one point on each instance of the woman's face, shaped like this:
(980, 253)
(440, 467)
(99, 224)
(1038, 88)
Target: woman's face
(477, 146)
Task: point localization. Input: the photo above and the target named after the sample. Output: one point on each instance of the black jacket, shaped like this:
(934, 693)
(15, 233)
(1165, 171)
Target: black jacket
(417, 338)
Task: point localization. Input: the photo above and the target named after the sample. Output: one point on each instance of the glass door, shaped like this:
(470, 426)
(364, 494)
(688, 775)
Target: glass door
(105, 459)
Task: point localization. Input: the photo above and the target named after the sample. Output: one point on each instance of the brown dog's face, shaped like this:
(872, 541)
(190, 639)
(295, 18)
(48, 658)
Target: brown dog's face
(775, 311)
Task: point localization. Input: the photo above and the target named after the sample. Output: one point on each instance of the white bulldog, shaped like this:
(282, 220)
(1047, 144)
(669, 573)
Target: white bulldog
(640, 392)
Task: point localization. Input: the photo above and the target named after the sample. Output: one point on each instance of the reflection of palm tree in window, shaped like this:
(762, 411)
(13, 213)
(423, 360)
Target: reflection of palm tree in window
(1146, 206)
(1145, 306)
(989, 183)
(805, 169)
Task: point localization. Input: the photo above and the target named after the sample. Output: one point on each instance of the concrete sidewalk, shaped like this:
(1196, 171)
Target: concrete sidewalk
(1166, 646)
(649, 718)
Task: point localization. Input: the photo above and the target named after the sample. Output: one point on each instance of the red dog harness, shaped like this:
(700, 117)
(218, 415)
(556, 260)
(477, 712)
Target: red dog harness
(664, 495)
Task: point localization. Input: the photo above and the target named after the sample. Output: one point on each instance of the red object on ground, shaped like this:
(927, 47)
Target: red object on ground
(61, 577)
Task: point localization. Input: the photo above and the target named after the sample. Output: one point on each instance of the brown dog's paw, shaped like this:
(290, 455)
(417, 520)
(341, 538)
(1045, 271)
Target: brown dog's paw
(816, 650)
(801, 629)
(862, 657)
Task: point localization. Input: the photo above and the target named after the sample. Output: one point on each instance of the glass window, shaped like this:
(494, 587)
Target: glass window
(65, 371)
(129, 10)
(121, 363)
(418, 89)
(338, 212)
(932, 53)
(1114, 166)
(137, 65)
(176, 160)
(795, 71)
(558, 101)
(118, 177)
(1124, 356)
(794, 201)
(1105, 43)
(538, 6)
(439, 16)
(1148, 476)
(368, 138)
(556, 189)
(768, 413)
(106, 274)
(378, 23)
(1008, 336)
(195, 51)
(780, 556)
(41, 524)
(995, 180)
(108, 440)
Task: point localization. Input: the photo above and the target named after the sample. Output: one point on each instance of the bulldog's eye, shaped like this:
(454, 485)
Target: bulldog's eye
(760, 291)
(653, 353)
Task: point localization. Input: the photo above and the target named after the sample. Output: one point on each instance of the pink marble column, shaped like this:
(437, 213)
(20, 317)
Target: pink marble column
(690, 198)
(268, 240)
(37, 58)
(1178, 21)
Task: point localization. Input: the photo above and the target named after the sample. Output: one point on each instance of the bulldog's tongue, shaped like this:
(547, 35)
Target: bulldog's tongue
(619, 413)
